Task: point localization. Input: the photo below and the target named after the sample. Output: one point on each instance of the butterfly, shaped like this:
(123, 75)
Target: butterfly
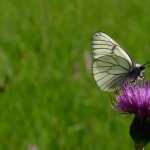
(112, 66)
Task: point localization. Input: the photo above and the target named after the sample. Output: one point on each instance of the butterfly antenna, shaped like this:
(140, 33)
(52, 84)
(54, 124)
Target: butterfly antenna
(147, 64)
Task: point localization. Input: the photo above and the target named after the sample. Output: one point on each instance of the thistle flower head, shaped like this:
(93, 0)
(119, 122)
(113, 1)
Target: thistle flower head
(135, 99)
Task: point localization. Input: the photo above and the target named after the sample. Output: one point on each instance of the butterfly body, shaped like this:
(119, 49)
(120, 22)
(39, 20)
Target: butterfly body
(112, 66)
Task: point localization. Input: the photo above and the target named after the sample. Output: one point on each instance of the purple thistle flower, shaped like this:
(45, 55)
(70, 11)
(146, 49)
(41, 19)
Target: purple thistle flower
(135, 99)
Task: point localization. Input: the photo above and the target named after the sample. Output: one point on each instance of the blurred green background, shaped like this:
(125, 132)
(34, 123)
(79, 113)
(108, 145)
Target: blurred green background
(48, 98)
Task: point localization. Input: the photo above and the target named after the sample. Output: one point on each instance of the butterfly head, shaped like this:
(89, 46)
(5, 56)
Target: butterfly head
(140, 67)
(138, 71)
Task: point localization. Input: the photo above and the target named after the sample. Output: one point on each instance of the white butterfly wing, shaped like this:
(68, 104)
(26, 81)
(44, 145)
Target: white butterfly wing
(111, 63)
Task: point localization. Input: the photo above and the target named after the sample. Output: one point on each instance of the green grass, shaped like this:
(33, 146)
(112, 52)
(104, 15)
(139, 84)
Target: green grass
(48, 97)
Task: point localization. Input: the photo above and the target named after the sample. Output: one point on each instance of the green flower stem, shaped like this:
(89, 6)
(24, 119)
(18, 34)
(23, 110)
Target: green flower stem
(139, 147)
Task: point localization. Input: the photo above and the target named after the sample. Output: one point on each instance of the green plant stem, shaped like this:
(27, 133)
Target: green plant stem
(139, 147)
